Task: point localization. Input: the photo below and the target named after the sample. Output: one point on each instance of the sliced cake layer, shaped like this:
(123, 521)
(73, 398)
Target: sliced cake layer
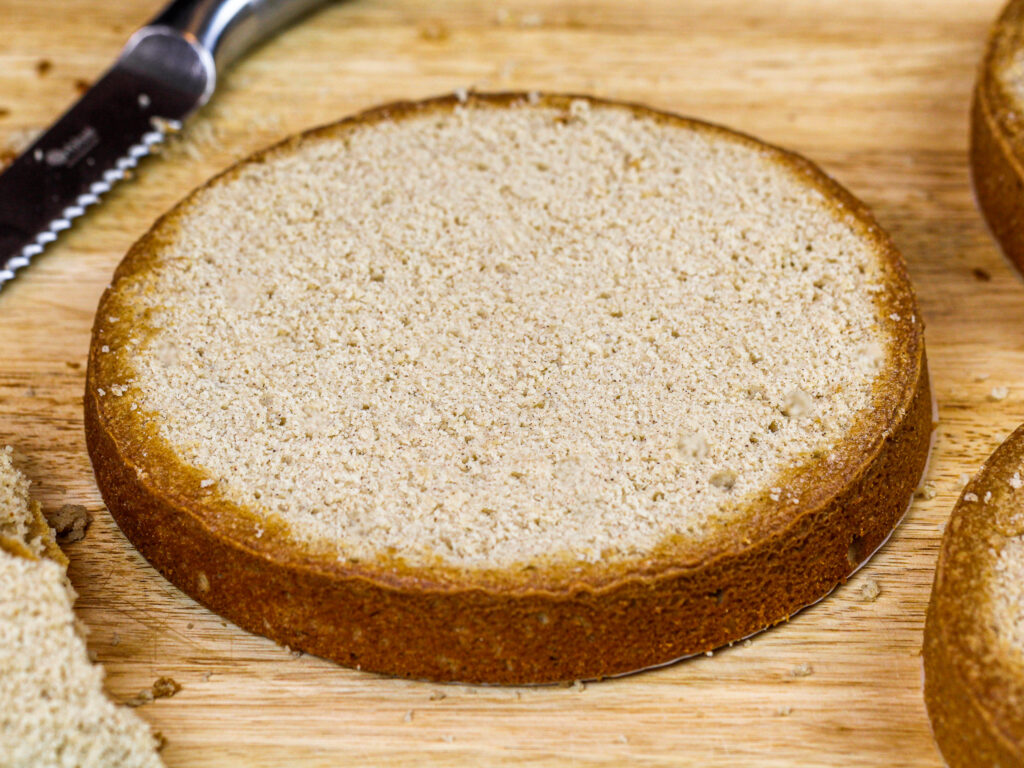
(974, 636)
(510, 350)
(53, 712)
(997, 132)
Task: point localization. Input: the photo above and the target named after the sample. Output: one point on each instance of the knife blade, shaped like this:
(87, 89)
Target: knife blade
(158, 81)
(166, 72)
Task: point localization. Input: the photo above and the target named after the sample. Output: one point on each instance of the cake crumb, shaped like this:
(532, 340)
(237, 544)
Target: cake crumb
(407, 718)
(869, 591)
(981, 376)
(802, 670)
(447, 738)
(964, 479)
(438, 695)
(784, 711)
(70, 522)
(970, 497)
(747, 643)
(434, 30)
(998, 393)
(578, 686)
(926, 491)
(165, 687)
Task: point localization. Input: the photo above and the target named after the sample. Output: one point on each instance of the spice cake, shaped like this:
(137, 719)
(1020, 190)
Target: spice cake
(510, 388)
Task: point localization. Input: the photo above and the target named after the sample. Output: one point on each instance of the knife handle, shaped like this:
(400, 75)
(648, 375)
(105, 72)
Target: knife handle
(229, 28)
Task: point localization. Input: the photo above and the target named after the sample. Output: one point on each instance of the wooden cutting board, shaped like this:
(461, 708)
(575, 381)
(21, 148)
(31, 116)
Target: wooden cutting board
(876, 91)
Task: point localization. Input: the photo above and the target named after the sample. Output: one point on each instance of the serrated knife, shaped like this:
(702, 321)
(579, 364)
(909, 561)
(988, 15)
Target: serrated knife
(167, 70)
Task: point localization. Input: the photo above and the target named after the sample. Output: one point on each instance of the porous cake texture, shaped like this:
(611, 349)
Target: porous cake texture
(53, 712)
(21, 521)
(492, 335)
(510, 388)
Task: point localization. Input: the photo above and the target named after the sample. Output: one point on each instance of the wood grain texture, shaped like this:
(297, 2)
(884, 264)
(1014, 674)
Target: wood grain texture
(877, 92)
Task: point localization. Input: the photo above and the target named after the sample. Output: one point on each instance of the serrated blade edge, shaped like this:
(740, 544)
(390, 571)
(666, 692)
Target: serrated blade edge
(161, 128)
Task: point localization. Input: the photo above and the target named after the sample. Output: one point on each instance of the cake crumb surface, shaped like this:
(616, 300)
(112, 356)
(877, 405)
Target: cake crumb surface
(513, 344)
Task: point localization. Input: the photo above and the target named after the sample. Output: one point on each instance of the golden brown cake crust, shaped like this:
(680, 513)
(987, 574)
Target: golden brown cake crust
(974, 691)
(550, 622)
(997, 136)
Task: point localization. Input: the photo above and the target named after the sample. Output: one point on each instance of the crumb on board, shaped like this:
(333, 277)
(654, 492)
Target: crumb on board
(981, 274)
(802, 670)
(408, 716)
(784, 711)
(70, 522)
(434, 29)
(998, 393)
(162, 688)
(869, 591)
(43, 67)
(964, 479)
(926, 491)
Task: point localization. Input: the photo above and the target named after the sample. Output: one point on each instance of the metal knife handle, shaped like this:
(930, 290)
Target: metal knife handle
(228, 28)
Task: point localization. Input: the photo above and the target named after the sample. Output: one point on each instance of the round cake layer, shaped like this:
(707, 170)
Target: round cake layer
(513, 344)
(997, 132)
(974, 635)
